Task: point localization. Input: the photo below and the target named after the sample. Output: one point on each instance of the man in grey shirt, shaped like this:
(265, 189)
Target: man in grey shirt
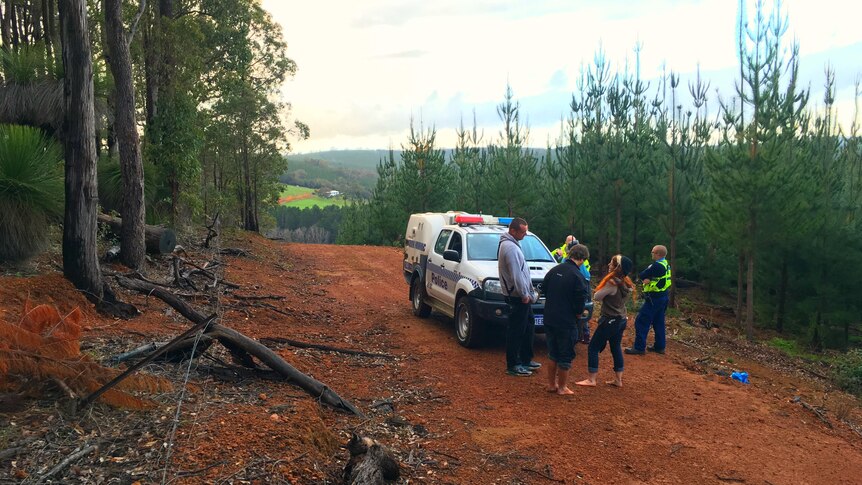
(518, 288)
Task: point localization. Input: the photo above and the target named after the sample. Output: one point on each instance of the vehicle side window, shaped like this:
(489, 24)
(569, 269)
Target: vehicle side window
(455, 242)
(440, 246)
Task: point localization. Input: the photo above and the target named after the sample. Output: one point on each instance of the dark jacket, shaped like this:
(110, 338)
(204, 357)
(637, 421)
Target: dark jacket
(566, 291)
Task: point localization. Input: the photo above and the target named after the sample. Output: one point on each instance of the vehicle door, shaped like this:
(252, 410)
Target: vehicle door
(436, 283)
(451, 270)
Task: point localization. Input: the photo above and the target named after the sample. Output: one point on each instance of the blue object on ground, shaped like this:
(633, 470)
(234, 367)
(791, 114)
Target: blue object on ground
(740, 376)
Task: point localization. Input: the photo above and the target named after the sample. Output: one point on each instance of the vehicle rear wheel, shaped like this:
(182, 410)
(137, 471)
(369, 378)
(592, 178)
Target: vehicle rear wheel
(468, 327)
(420, 308)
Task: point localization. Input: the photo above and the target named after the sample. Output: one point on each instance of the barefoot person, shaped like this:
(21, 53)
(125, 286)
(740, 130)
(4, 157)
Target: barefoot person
(613, 291)
(566, 291)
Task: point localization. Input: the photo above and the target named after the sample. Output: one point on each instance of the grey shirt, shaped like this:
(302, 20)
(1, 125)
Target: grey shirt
(613, 298)
(513, 269)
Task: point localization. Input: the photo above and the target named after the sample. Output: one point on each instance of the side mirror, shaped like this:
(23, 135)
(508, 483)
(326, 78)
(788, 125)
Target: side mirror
(452, 255)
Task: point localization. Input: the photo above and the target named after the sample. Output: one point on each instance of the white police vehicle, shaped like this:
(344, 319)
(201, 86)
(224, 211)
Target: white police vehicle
(450, 263)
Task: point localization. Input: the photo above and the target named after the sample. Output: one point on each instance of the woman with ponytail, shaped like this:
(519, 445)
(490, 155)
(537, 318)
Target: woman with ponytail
(613, 291)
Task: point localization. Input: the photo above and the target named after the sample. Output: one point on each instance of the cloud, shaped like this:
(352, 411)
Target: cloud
(364, 68)
(411, 54)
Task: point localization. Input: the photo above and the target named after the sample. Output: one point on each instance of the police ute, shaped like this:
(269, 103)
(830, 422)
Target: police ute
(450, 263)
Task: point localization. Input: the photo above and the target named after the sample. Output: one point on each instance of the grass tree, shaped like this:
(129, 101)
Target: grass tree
(31, 184)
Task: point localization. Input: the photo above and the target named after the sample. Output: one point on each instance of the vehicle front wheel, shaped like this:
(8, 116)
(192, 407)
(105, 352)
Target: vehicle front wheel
(420, 308)
(468, 327)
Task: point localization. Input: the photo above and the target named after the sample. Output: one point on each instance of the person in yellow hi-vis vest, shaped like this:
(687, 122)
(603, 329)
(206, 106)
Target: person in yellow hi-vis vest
(656, 280)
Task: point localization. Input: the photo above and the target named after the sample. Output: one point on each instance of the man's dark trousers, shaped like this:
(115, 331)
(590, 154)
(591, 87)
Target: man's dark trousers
(519, 334)
(651, 315)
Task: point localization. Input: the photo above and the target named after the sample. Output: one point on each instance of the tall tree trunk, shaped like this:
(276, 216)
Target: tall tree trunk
(53, 33)
(151, 70)
(250, 223)
(749, 298)
(5, 29)
(36, 19)
(740, 286)
(80, 264)
(780, 312)
(13, 22)
(132, 246)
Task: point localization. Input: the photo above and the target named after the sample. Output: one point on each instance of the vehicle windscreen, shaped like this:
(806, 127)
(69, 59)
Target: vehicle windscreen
(483, 247)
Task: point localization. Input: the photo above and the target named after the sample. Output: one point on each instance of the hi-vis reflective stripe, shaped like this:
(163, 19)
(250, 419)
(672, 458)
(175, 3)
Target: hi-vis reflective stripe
(451, 275)
(661, 283)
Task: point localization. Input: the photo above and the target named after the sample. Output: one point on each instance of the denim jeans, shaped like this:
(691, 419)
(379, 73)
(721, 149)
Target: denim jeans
(651, 314)
(519, 334)
(561, 345)
(609, 331)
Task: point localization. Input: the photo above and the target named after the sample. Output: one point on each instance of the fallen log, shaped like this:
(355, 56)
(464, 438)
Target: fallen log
(159, 240)
(235, 340)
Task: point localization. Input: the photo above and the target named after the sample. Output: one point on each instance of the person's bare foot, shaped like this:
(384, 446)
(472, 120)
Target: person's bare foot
(551, 389)
(586, 382)
(614, 383)
(565, 391)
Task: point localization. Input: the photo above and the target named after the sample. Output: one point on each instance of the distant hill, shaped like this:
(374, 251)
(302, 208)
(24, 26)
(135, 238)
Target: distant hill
(357, 159)
(352, 172)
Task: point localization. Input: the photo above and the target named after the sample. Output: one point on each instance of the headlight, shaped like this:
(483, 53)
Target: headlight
(492, 285)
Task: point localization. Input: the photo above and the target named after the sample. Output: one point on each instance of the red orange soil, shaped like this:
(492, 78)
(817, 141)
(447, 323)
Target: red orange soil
(455, 417)
(291, 198)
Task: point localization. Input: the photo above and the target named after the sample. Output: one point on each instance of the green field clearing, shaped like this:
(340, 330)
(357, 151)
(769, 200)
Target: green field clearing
(307, 203)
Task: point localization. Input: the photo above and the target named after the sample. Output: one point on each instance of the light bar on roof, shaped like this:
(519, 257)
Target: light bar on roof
(468, 219)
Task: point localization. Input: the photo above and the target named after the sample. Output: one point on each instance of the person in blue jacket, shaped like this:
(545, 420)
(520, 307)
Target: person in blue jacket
(656, 283)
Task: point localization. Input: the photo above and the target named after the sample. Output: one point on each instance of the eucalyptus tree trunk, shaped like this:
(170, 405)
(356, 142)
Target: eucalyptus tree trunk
(80, 263)
(132, 246)
(5, 30)
(36, 19)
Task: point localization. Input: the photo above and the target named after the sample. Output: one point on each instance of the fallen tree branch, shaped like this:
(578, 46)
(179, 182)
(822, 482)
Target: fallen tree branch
(68, 461)
(261, 304)
(256, 297)
(329, 348)
(232, 339)
(729, 479)
(98, 392)
(814, 410)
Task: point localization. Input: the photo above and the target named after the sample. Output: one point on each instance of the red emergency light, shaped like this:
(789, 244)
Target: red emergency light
(468, 219)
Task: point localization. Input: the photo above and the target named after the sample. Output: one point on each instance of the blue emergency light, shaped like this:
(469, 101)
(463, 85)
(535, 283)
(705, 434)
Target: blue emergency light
(505, 220)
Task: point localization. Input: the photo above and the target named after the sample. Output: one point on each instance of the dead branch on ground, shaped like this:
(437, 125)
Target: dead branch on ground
(237, 342)
(328, 348)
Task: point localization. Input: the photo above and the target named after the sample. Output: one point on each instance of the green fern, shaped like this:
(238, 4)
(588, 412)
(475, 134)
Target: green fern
(31, 189)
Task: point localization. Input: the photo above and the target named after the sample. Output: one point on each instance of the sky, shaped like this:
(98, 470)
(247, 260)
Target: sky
(366, 69)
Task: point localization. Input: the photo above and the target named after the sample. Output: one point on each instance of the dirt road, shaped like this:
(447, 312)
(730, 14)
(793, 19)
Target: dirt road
(667, 425)
(452, 415)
